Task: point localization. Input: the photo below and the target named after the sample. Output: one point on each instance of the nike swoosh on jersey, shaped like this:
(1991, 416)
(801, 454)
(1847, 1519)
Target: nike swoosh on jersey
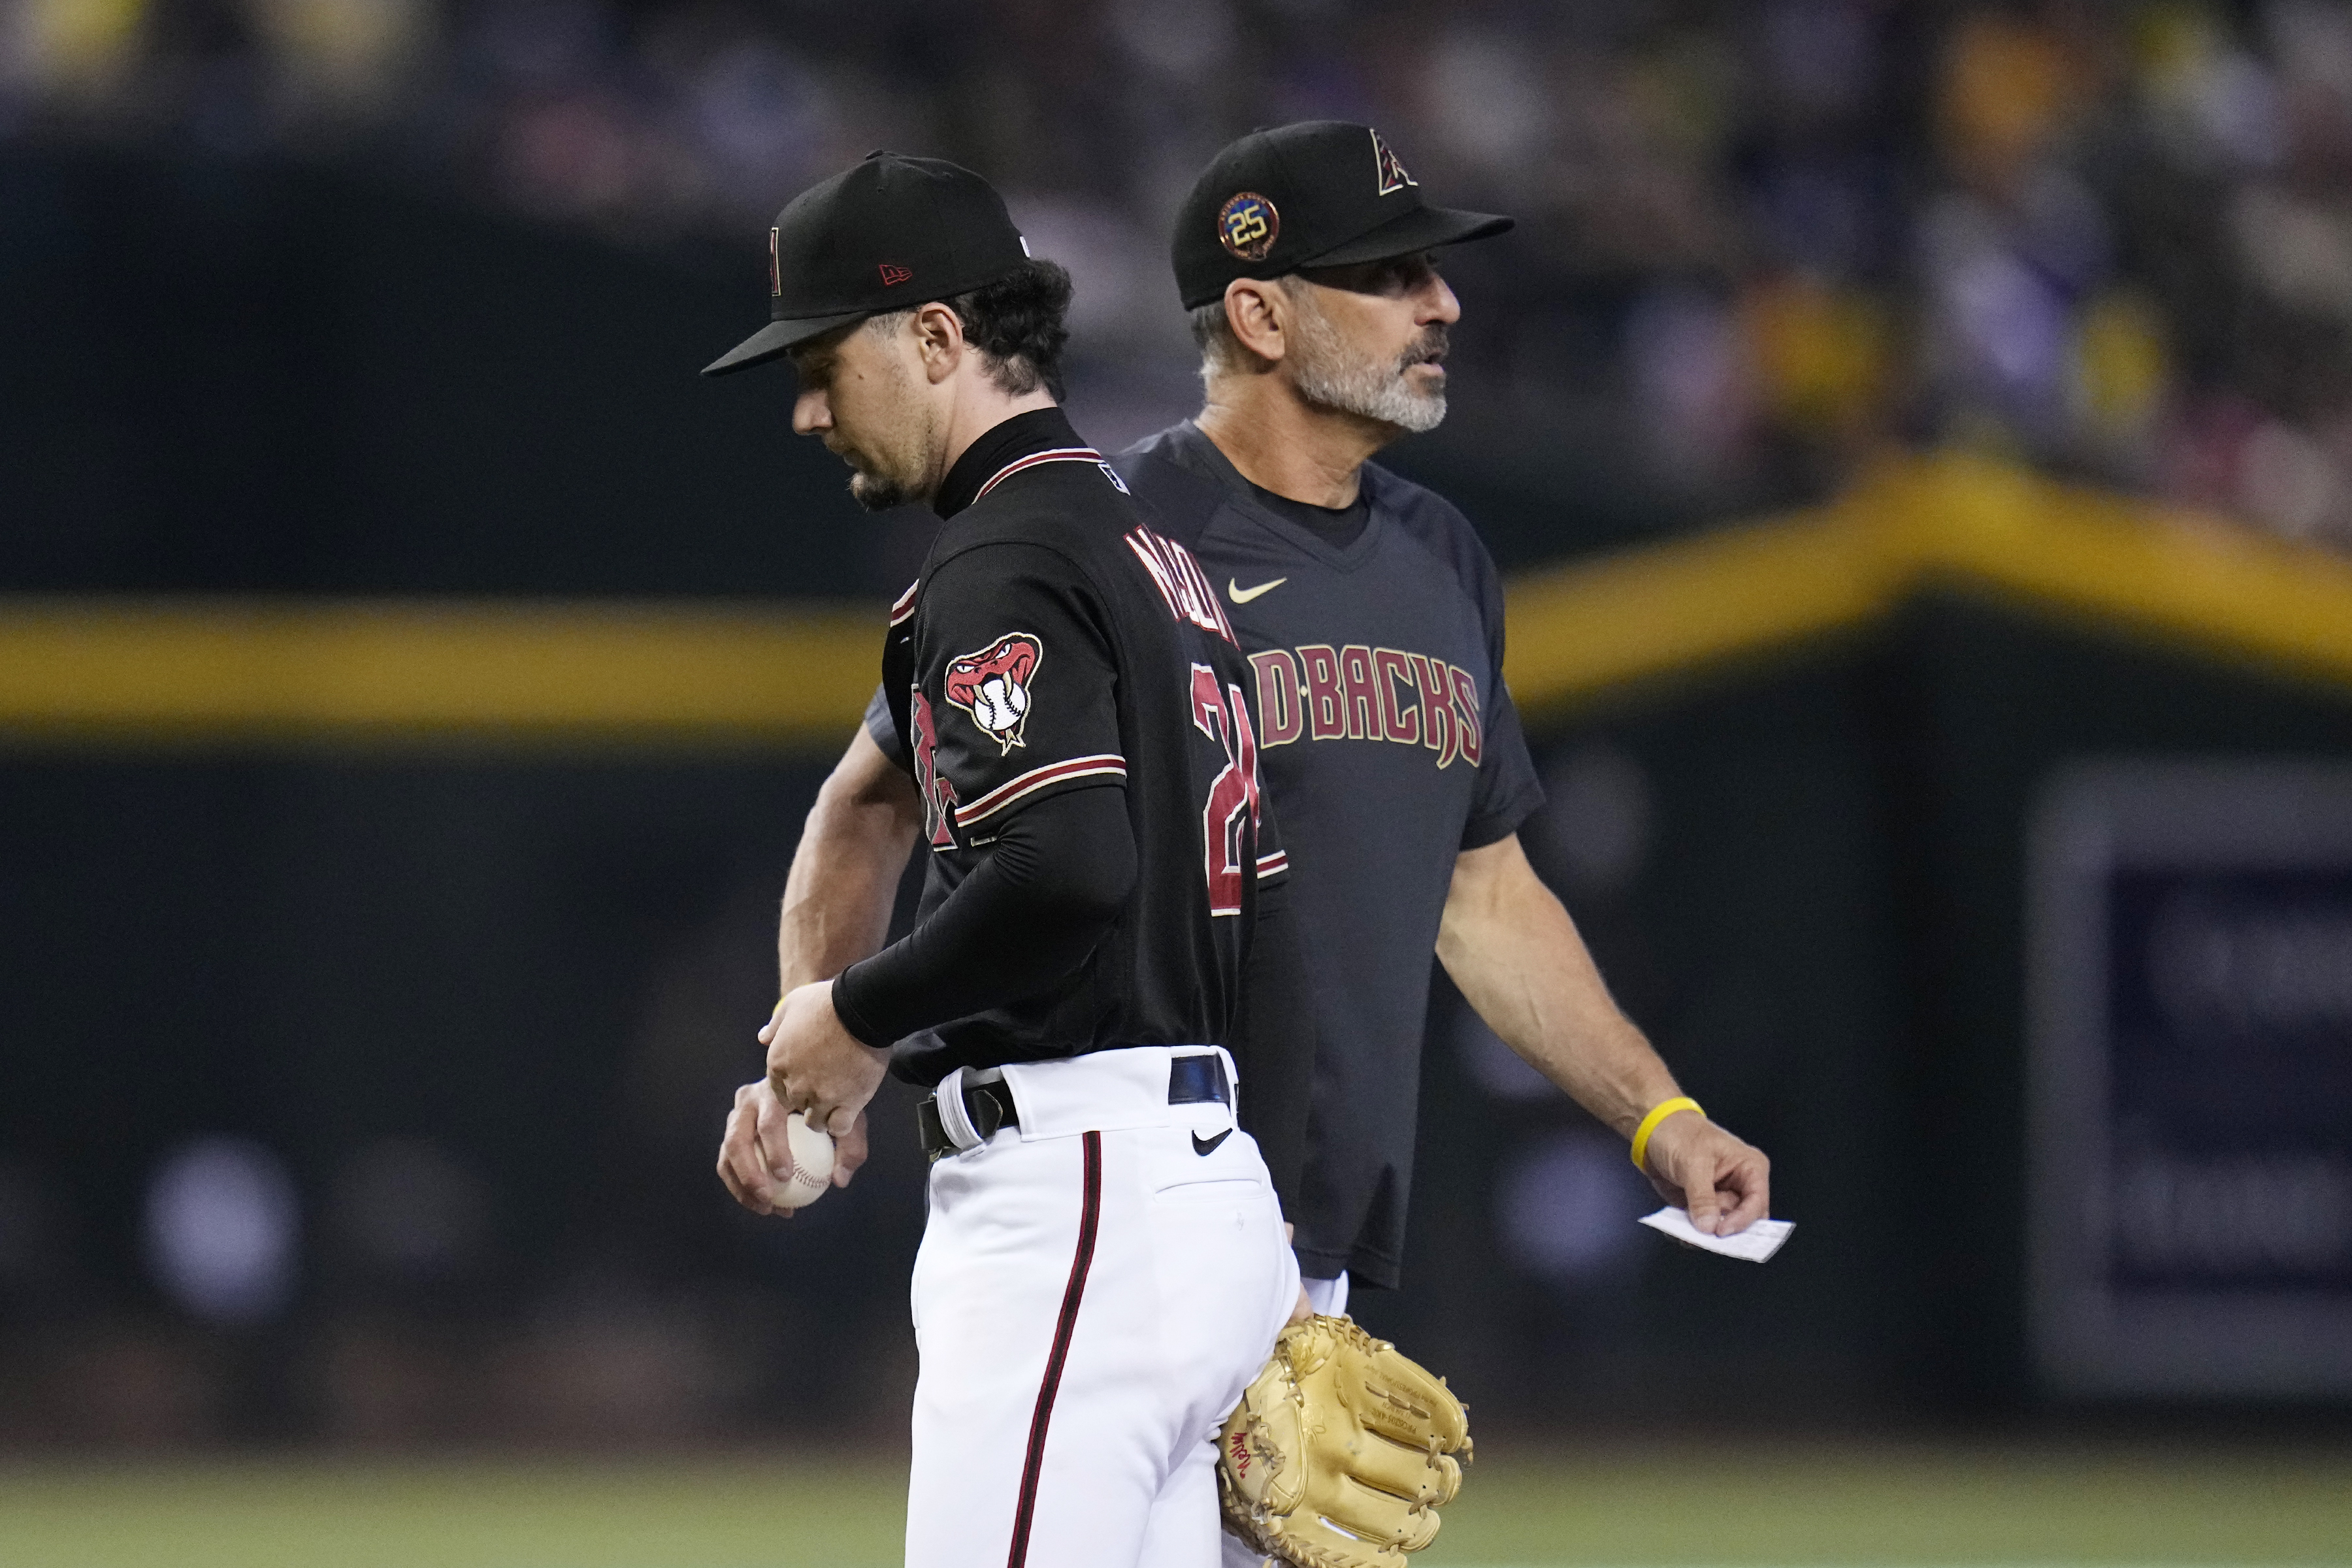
(1241, 596)
(1207, 1146)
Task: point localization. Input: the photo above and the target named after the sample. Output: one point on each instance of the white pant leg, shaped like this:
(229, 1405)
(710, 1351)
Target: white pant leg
(989, 1284)
(1188, 1282)
(1186, 1529)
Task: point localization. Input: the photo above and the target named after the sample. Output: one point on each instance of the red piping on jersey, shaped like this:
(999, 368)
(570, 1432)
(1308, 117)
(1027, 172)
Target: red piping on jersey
(1109, 765)
(1089, 1220)
(1056, 455)
(906, 605)
(1274, 865)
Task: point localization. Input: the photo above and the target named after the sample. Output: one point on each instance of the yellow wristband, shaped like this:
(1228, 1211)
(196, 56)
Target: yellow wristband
(1650, 1124)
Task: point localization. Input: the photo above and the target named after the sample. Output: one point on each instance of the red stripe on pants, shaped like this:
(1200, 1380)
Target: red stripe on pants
(1090, 1217)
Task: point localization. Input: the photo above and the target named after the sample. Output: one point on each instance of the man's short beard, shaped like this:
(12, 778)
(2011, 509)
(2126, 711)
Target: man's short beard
(1328, 370)
(898, 474)
(875, 493)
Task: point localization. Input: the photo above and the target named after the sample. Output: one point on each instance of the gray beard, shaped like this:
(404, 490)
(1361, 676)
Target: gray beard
(1329, 374)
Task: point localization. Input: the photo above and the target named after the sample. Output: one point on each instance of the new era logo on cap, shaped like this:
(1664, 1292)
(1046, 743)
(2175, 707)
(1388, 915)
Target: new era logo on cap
(893, 276)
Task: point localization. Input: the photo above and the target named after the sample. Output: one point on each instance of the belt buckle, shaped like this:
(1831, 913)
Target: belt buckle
(927, 1127)
(986, 1105)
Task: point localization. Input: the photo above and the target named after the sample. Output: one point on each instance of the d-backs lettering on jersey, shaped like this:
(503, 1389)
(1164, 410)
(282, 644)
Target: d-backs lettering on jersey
(1359, 693)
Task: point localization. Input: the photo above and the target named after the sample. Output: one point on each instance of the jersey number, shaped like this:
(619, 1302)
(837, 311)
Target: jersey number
(1223, 717)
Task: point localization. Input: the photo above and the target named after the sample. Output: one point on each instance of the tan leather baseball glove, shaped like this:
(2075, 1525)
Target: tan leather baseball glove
(1340, 1452)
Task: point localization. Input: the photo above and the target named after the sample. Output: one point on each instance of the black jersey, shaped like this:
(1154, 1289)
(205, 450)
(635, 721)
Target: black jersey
(1390, 745)
(1055, 642)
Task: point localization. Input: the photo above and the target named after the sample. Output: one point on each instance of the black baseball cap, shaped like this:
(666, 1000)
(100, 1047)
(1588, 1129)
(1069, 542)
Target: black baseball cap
(1322, 193)
(888, 233)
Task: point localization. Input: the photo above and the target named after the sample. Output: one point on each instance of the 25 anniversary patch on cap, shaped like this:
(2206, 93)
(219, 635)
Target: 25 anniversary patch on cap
(1248, 226)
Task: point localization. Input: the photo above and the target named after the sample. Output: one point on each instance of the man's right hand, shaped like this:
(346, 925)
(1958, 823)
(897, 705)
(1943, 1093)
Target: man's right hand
(1722, 1182)
(755, 1145)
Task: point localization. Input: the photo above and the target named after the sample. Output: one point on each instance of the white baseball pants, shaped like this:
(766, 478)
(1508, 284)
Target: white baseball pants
(1096, 1288)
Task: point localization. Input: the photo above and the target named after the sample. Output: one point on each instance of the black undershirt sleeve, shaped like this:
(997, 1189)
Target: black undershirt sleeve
(1058, 873)
(1274, 1042)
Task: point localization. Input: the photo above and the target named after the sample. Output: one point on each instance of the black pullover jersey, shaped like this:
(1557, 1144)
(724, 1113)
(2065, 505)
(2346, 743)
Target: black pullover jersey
(1390, 744)
(1056, 643)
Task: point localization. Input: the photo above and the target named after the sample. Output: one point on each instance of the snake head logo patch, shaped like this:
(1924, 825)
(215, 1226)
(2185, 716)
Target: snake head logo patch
(1391, 168)
(1248, 226)
(993, 686)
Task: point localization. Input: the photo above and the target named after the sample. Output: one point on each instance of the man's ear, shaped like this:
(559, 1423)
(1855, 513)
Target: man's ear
(938, 339)
(1259, 315)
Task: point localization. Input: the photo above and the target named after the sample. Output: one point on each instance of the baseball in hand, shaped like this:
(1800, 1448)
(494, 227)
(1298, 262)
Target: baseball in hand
(803, 1181)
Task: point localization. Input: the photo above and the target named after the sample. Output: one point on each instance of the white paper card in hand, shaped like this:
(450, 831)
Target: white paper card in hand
(1757, 1243)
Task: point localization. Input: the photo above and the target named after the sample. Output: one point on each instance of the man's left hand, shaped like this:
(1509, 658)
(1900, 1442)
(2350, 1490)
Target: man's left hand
(1724, 1183)
(817, 1065)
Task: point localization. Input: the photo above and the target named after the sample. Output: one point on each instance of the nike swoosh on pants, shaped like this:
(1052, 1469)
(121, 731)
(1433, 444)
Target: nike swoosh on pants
(1206, 1146)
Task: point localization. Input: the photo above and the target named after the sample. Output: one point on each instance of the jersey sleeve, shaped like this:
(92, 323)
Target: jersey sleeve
(1509, 791)
(1015, 667)
(882, 728)
(1058, 873)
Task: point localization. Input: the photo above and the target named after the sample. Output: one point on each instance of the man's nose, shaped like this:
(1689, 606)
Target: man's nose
(812, 414)
(1437, 305)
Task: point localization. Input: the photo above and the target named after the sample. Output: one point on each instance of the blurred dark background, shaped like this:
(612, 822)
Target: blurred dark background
(261, 255)
(372, 1094)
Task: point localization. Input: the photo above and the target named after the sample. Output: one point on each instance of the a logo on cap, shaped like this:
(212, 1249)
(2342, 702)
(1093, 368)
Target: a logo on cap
(775, 266)
(893, 276)
(1247, 225)
(1391, 168)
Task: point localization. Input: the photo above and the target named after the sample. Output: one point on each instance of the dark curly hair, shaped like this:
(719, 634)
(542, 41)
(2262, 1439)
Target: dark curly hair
(1015, 322)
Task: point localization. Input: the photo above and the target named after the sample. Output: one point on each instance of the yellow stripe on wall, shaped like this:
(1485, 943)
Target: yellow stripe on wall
(237, 669)
(156, 671)
(1593, 626)
(2221, 588)
(2186, 577)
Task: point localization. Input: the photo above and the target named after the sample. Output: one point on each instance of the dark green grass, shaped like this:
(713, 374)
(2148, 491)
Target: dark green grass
(1778, 1504)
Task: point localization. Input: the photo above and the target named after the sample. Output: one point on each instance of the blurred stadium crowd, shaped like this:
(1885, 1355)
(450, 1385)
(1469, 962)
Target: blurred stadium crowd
(1759, 241)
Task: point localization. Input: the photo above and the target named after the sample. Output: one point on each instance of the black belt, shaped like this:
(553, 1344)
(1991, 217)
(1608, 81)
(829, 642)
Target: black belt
(1197, 1080)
